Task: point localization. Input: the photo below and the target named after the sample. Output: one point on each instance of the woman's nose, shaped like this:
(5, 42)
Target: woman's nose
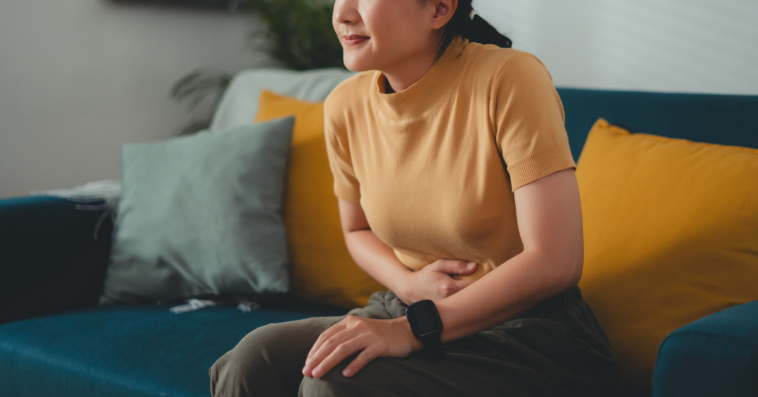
(346, 11)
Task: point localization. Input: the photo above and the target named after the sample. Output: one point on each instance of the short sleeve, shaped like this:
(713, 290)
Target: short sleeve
(528, 119)
(346, 185)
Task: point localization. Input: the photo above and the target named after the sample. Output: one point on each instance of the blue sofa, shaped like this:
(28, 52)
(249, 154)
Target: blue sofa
(55, 340)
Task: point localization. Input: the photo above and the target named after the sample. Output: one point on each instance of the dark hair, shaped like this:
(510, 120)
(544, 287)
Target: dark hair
(476, 30)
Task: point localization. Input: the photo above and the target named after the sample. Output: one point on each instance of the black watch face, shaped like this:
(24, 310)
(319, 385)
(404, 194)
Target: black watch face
(422, 319)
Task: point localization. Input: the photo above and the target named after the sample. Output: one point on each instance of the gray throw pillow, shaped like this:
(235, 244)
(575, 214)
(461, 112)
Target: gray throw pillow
(201, 215)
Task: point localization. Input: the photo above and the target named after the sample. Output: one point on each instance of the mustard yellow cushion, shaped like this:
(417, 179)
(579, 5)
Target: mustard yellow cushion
(321, 268)
(670, 236)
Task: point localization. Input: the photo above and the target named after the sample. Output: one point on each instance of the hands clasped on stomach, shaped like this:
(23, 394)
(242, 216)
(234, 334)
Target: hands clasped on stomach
(434, 281)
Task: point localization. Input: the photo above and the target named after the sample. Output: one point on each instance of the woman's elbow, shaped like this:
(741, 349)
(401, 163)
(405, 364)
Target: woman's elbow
(567, 271)
(573, 264)
(575, 275)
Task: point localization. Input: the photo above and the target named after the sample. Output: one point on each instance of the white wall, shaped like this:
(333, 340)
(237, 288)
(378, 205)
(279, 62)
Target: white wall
(655, 45)
(78, 78)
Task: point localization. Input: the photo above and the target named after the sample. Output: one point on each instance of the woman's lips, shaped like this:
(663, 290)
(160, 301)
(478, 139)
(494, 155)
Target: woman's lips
(353, 39)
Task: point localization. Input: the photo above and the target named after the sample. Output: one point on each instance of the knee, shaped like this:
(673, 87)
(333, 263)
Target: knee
(410, 376)
(215, 372)
(257, 342)
(333, 383)
(327, 385)
(233, 372)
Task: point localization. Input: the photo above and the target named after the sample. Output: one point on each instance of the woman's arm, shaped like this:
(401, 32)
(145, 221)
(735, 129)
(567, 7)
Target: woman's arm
(549, 217)
(378, 260)
(372, 255)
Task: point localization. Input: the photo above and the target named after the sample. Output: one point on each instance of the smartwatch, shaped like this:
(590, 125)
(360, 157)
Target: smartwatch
(427, 326)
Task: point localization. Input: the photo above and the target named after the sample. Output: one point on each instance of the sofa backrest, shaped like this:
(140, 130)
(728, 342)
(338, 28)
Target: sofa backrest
(720, 119)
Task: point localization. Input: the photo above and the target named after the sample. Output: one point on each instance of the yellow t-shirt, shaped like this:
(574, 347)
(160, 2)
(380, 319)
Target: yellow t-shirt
(434, 166)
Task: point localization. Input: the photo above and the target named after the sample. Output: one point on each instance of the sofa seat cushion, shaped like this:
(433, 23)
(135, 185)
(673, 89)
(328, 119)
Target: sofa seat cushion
(130, 350)
(714, 356)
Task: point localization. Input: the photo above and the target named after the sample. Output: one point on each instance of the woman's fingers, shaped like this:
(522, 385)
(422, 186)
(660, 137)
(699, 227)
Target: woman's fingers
(370, 337)
(468, 267)
(450, 266)
(327, 347)
(334, 329)
(336, 355)
(356, 365)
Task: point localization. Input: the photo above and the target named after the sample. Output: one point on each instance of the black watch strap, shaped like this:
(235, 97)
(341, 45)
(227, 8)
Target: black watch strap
(432, 346)
(427, 327)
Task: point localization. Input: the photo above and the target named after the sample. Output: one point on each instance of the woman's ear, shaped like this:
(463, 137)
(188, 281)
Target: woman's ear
(443, 12)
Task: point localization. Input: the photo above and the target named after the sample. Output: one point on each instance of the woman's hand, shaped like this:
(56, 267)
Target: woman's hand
(434, 281)
(372, 337)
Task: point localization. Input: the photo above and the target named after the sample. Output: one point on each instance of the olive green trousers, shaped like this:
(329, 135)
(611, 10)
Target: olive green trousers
(555, 349)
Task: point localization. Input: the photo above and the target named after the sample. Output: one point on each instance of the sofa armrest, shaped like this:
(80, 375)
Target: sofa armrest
(714, 356)
(51, 259)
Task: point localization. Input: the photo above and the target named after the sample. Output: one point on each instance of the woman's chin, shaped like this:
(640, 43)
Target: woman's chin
(357, 65)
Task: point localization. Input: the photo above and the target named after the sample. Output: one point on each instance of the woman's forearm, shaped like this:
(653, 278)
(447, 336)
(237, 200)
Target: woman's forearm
(511, 288)
(376, 258)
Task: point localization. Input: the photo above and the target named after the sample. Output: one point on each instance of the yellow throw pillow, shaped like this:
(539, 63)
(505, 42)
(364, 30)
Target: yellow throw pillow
(321, 268)
(670, 236)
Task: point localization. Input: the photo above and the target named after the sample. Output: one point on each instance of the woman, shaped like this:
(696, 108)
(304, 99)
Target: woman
(457, 192)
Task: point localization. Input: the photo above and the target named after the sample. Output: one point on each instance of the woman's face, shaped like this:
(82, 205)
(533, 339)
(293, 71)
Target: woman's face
(380, 34)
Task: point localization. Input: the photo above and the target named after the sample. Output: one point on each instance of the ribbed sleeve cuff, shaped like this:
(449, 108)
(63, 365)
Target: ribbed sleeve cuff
(347, 193)
(532, 168)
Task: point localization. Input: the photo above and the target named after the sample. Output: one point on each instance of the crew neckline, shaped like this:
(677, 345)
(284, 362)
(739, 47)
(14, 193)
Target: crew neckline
(422, 95)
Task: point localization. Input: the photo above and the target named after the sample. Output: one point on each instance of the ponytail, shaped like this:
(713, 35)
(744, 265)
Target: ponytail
(475, 29)
(480, 31)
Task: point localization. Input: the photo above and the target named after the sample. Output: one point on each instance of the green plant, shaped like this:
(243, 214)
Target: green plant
(297, 33)
(293, 34)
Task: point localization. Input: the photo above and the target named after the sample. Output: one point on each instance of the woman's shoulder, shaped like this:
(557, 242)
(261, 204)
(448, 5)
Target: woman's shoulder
(349, 91)
(490, 62)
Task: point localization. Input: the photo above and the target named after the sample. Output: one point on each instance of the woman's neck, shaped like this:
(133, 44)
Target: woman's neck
(411, 70)
(427, 92)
